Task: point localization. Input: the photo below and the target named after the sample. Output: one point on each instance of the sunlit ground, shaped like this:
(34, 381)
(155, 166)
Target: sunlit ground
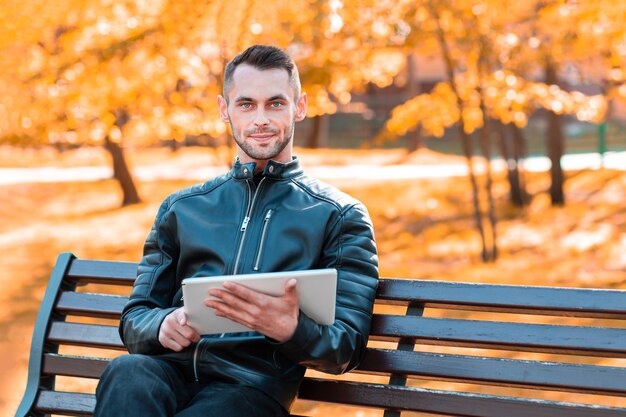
(424, 229)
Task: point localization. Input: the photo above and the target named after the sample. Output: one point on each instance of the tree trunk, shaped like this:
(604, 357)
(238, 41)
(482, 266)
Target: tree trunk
(174, 145)
(511, 153)
(608, 115)
(485, 138)
(121, 173)
(318, 135)
(414, 138)
(555, 143)
(478, 216)
(485, 145)
(465, 138)
(519, 154)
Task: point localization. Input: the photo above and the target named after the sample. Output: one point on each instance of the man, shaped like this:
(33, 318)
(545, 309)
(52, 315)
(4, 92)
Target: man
(265, 215)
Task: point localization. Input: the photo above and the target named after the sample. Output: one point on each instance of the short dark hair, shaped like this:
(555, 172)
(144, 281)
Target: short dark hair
(263, 57)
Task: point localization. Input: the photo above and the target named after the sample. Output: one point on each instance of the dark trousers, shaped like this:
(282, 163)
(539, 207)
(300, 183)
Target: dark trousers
(141, 385)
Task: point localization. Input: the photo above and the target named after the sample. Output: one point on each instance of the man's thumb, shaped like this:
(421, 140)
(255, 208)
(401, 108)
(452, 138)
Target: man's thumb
(290, 287)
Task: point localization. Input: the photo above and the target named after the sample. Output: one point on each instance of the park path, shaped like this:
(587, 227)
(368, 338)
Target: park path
(613, 160)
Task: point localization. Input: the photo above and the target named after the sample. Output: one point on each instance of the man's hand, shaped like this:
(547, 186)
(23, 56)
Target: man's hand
(274, 317)
(174, 333)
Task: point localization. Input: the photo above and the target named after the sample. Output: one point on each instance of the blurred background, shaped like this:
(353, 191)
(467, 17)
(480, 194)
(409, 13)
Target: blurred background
(487, 138)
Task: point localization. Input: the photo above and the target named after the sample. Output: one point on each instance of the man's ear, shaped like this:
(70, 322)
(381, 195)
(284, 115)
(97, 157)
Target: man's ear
(301, 107)
(222, 105)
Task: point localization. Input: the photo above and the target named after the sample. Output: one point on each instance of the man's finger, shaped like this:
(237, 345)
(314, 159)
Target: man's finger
(174, 345)
(168, 340)
(189, 333)
(232, 307)
(290, 288)
(237, 319)
(181, 335)
(232, 312)
(178, 336)
(174, 333)
(234, 300)
(241, 291)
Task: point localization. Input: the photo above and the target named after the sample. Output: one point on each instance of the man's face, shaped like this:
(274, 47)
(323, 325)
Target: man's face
(262, 112)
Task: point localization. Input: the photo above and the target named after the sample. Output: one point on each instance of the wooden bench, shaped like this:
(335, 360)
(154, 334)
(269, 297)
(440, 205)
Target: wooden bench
(494, 326)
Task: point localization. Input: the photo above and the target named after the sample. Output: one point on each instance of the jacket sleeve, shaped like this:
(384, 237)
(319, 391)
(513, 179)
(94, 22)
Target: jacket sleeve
(337, 348)
(151, 298)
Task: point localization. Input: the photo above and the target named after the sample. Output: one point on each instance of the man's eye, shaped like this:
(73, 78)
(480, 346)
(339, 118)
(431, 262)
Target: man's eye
(246, 105)
(277, 104)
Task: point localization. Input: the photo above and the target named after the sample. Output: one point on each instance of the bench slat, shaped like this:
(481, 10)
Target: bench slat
(91, 305)
(66, 403)
(72, 403)
(501, 372)
(588, 341)
(90, 335)
(76, 366)
(497, 371)
(460, 404)
(578, 302)
(103, 272)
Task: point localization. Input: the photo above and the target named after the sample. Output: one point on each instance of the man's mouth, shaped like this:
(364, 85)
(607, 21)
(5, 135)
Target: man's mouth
(262, 136)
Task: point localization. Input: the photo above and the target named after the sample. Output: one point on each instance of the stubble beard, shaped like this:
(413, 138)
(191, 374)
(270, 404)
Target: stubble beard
(257, 152)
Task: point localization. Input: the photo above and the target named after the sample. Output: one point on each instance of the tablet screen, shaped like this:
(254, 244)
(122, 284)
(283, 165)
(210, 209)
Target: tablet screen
(316, 288)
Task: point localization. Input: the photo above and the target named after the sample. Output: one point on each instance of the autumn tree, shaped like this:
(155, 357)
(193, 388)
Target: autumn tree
(130, 73)
(490, 53)
(101, 72)
(603, 46)
(460, 36)
(578, 35)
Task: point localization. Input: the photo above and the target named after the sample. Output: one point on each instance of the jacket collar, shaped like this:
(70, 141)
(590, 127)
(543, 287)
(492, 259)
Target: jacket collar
(273, 169)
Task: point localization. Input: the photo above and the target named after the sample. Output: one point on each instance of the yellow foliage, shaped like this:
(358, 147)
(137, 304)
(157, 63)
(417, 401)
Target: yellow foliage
(160, 62)
(320, 102)
(434, 112)
(70, 67)
(507, 97)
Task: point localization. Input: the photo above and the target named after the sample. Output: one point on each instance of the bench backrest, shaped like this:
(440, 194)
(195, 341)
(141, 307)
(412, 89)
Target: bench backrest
(438, 347)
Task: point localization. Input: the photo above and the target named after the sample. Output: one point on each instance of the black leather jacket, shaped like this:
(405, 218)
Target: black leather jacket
(229, 225)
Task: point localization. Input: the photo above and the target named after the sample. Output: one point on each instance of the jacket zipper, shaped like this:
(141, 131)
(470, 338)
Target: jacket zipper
(246, 220)
(243, 229)
(195, 360)
(266, 221)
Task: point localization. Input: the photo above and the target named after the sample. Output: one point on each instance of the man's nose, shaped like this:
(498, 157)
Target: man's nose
(261, 119)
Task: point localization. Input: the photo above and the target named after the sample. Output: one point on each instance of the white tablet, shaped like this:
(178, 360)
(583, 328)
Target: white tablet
(317, 292)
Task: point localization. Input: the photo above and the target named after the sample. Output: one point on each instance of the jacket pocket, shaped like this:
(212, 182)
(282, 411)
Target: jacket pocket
(266, 222)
